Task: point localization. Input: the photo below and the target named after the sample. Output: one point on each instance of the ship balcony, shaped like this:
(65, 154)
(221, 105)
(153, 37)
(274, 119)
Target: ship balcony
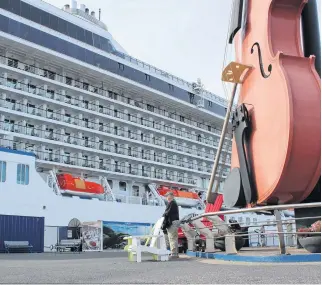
(93, 162)
(38, 111)
(172, 130)
(121, 99)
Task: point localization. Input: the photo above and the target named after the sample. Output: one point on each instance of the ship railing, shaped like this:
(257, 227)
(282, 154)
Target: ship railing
(275, 228)
(37, 131)
(59, 156)
(102, 91)
(77, 121)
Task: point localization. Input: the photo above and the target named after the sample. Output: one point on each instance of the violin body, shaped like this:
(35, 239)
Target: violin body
(282, 94)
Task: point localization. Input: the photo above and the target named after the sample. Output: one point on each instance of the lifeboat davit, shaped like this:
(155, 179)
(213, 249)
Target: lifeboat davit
(77, 186)
(183, 198)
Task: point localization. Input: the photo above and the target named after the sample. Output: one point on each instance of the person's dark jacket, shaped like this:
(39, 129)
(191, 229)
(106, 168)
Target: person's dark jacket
(171, 214)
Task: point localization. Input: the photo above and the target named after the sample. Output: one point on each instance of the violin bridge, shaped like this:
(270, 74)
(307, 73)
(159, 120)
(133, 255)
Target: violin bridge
(235, 72)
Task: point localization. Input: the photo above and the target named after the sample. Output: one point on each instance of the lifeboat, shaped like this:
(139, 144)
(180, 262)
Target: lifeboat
(76, 186)
(183, 198)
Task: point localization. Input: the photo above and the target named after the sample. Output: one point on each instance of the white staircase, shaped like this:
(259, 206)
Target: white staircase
(153, 188)
(53, 183)
(109, 195)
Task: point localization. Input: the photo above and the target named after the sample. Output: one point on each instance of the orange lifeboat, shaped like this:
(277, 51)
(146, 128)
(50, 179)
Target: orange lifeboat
(76, 186)
(183, 198)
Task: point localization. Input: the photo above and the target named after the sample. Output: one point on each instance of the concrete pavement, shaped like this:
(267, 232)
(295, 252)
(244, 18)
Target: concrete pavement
(114, 268)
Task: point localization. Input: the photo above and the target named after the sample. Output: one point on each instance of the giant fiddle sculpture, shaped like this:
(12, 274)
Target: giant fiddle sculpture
(276, 151)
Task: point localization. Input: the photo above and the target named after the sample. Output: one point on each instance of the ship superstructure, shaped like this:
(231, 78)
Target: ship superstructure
(91, 132)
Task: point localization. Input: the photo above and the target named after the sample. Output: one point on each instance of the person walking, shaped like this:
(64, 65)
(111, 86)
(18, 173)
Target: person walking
(171, 224)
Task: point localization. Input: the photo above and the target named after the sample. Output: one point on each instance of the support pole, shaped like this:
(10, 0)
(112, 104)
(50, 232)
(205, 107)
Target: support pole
(279, 225)
(221, 142)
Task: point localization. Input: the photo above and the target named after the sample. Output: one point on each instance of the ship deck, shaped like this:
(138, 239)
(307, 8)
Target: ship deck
(114, 267)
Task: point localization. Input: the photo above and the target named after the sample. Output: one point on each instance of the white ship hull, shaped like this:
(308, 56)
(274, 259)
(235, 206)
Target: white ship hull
(38, 199)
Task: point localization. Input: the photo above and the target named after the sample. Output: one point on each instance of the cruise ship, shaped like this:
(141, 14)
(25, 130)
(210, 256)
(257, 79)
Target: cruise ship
(89, 132)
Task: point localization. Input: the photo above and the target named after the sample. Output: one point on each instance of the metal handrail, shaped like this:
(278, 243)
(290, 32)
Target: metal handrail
(262, 223)
(257, 209)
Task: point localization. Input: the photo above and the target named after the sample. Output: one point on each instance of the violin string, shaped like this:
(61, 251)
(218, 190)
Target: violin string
(227, 90)
(226, 87)
(227, 34)
(226, 48)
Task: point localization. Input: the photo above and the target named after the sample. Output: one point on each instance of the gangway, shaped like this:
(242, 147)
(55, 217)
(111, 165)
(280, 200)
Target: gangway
(109, 195)
(153, 189)
(53, 182)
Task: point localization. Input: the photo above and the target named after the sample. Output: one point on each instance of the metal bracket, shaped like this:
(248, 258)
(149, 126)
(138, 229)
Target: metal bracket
(240, 122)
(238, 186)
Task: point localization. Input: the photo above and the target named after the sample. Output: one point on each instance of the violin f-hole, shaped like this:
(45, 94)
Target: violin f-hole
(261, 61)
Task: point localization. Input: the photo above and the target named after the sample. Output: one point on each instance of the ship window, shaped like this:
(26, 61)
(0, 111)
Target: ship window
(122, 186)
(53, 22)
(181, 118)
(191, 97)
(104, 44)
(14, 7)
(147, 77)
(35, 15)
(97, 42)
(209, 103)
(12, 62)
(85, 86)
(5, 4)
(81, 35)
(22, 174)
(171, 87)
(69, 80)
(121, 66)
(44, 17)
(150, 108)
(89, 37)
(3, 171)
(62, 26)
(135, 190)
(255, 221)
(247, 221)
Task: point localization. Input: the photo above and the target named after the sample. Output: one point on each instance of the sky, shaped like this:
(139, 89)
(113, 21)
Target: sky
(186, 38)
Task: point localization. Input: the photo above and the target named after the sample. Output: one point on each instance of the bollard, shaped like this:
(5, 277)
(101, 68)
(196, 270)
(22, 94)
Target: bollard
(190, 235)
(230, 244)
(210, 242)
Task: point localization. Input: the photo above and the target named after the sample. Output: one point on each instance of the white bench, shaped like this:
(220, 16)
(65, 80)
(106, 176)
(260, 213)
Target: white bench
(155, 245)
(8, 245)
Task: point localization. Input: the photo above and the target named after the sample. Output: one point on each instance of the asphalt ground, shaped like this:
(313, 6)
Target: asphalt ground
(114, 268)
